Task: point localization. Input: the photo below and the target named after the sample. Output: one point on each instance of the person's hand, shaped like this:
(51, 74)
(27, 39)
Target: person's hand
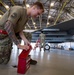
(26, 47)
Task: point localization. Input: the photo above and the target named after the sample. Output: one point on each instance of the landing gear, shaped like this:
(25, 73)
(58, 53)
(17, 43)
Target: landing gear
(47, 47)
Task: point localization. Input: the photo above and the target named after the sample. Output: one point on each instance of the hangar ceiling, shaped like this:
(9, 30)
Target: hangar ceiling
(56, 11)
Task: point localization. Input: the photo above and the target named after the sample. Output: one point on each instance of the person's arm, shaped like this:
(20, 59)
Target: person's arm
(24, 38)
(9, 29)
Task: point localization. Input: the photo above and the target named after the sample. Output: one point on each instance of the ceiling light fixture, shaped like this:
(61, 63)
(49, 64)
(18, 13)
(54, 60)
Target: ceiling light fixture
(35, 27)
(47, 23)
(6, 6)
(34, 23)
(52, 4)
(0, 16)
(27, 5)
(49, 16)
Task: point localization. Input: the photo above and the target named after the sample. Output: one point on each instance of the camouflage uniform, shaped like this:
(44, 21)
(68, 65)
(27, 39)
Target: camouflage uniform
(28, 36)
(18, 16)
(42, 40)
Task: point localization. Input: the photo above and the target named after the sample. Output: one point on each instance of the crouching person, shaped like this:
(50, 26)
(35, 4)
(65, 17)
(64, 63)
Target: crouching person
(14, 21)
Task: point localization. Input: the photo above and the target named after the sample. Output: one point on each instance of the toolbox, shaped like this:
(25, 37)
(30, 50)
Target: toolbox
(24, 61)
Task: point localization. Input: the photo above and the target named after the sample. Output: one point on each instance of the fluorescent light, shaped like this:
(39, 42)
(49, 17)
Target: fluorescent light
(49, 16)
(27, 5)
(0, 16)
(47, 23)
(52, 4)
(34, 23)
(6, 6)
(35, 27)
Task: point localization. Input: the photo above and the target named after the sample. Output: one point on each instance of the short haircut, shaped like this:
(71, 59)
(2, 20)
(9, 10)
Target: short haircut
(41, 31)
(39, 5)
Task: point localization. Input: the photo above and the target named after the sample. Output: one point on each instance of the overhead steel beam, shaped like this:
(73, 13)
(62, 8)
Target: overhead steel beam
(60, 12)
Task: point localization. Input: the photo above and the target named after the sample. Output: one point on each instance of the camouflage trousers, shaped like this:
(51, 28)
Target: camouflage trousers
(5, 50)
(42, 45)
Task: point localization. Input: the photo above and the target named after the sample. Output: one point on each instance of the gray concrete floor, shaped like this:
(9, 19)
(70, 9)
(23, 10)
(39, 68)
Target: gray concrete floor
(55, 62)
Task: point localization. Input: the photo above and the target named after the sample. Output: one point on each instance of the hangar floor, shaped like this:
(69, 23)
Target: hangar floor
(55, 62)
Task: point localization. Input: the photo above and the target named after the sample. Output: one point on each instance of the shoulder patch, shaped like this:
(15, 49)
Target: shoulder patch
(14, 15)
